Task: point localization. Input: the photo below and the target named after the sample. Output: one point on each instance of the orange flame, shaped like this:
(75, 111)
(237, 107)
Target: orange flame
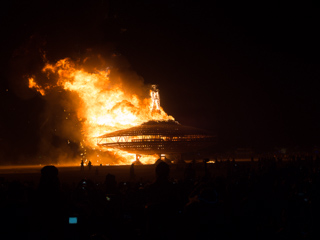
(33, 84)
(105, 106)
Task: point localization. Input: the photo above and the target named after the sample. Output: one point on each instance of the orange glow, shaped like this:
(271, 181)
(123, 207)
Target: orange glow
(33, 84)
(104, 105)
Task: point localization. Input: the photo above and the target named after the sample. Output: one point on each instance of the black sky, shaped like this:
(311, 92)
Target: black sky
(247, 71)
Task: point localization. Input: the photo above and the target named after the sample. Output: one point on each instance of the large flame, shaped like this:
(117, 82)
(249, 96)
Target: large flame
(104, 105)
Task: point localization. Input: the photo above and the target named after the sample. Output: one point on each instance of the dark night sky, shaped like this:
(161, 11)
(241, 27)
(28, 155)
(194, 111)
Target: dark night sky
(249, 72)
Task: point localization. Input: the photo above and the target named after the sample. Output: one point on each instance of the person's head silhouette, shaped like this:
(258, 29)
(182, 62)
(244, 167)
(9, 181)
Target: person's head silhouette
(162, 170)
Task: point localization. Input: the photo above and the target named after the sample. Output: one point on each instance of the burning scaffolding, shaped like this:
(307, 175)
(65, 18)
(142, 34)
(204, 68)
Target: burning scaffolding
(157, 137)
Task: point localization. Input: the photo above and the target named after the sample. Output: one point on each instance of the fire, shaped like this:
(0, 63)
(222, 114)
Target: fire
(155, 99)
(33, 84)
(105, 105)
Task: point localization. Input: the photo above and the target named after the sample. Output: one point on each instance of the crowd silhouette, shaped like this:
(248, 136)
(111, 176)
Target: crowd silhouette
(268, 198)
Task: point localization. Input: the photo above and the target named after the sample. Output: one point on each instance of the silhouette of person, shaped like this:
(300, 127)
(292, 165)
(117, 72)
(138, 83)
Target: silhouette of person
(189, 173)
(132, 175)
(89, 165)
(49, 182)
(162, 204)
(48, 204)
(82, 167)
(111, 184)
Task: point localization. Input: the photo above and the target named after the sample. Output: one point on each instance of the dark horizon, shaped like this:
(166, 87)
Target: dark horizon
(248, 72)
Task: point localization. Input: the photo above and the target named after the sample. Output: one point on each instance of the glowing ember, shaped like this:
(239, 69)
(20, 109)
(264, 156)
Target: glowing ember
(105, 105)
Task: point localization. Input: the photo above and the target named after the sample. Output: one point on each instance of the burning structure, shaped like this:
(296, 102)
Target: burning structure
(158, 137)
(112, 111)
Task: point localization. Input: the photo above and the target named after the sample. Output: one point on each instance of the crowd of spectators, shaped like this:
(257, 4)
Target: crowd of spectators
(271, 198)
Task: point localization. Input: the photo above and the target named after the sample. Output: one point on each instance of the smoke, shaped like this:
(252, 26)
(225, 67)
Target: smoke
(60, 128)
(60, 121)
(121, 71)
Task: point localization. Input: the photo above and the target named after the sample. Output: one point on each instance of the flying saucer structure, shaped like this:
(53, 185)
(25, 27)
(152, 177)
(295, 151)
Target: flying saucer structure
(158, 137)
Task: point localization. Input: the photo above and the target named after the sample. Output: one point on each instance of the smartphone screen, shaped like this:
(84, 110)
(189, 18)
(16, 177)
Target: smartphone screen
(73, 220)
